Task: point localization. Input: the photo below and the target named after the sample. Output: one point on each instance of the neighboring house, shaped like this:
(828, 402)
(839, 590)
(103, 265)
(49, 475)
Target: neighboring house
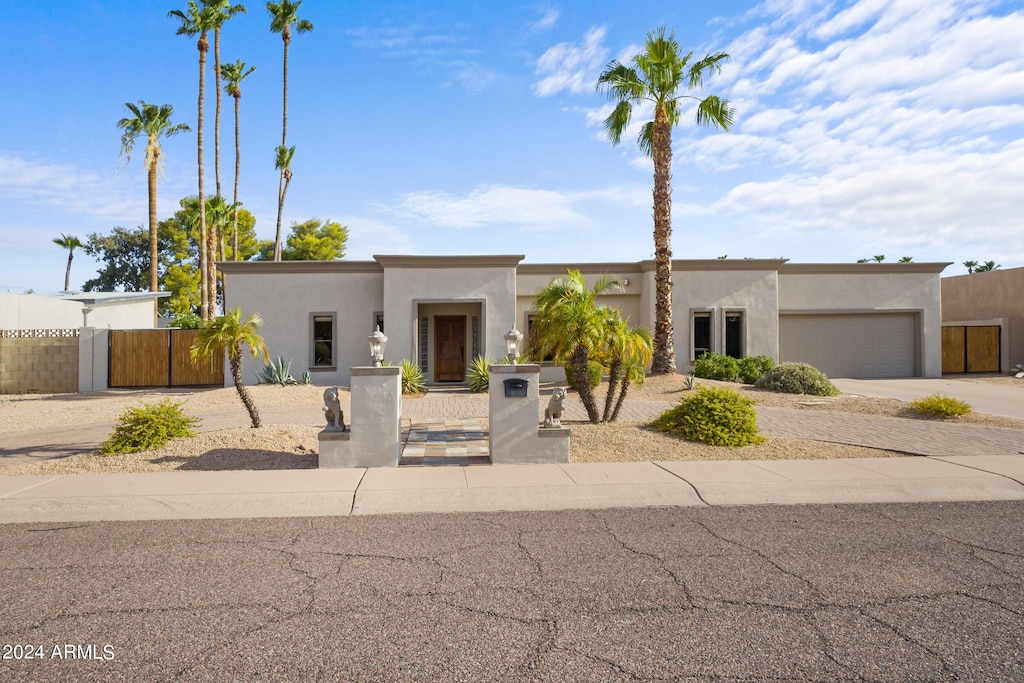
(850, 320)
(989, 307)
(57, 344)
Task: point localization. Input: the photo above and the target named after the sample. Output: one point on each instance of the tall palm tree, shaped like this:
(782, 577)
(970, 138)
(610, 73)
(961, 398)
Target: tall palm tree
(663, 76)
(571, 327)
(229, 332)
(284, 16)
(69, 242)
(196, 20)
(283, 163)
(223, 11)
(153, 121)
(233, 75)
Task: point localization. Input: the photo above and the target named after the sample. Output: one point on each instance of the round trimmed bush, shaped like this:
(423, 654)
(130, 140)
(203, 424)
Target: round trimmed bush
(939, 405)
(716, 366)
(753, 368)
(594, 369)
(797, 378)
(716, 416)
(148, 427)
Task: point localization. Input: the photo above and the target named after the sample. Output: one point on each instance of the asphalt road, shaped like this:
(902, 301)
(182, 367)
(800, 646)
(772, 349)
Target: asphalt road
(808, 593)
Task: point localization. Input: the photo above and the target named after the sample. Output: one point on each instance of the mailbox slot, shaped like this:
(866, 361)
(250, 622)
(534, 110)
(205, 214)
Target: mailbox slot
(516, 387)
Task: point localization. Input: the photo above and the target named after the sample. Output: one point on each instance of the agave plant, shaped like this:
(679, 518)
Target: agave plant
(277, 371)
(412, 378)
(480, 374)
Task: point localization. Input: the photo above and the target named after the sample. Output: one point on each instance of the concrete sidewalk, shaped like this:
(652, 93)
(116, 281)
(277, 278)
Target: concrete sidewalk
(299, 493)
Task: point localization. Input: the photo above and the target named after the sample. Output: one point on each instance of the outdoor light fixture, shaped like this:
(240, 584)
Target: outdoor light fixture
(512, 339)
(377, 343)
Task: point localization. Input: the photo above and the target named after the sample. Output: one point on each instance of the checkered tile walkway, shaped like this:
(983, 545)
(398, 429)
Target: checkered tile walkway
(441, 441)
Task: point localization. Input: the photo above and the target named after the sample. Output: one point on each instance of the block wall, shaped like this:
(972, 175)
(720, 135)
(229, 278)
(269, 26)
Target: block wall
(39, 364)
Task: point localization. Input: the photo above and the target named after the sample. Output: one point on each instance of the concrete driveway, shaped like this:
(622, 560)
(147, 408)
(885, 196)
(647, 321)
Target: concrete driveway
(984, 397)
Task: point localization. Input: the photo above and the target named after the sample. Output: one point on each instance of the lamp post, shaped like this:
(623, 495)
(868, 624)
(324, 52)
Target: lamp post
(512, 339)
(377, 343)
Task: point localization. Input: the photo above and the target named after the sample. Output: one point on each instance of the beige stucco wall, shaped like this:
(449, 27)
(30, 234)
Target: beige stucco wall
(871, 287)
(980, 298)
(285, 294)
(722, 286)
(410, 282)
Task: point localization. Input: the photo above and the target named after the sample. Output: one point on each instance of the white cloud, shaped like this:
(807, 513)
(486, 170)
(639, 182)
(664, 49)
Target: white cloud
(525, 208)
(575, 68)
(368, 237)
(548, 19)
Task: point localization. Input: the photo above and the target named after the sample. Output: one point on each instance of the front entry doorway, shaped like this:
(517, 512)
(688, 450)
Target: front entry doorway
(450, 348)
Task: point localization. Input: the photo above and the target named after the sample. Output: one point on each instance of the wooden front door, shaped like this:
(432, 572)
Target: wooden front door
(450, 348)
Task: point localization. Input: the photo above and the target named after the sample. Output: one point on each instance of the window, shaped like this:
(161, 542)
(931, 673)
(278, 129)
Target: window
(701, 327)
(424, 338)
(322, 351)
(378, 320)
(734, 334)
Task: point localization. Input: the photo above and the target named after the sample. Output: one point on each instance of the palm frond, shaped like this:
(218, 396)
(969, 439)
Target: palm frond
(716, 112)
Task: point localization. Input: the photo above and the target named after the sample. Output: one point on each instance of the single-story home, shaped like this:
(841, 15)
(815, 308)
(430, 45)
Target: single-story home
(850, 320)
(983, 321)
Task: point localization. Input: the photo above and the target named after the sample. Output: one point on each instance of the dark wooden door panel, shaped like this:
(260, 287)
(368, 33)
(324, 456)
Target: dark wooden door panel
(450, 348)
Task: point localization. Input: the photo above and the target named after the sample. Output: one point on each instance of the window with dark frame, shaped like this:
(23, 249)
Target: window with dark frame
(323, 341)
(701, 334)
(531, 342)
(734, 334)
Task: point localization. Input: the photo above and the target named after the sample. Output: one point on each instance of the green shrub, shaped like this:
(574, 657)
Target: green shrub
(186, 321)
(716, 366)
(277, 371)
(752, 368)
(147, 427)
(938, 405)
(716, 416)
(480, 374)
(412, 378)
(594, 369)
(797, 378)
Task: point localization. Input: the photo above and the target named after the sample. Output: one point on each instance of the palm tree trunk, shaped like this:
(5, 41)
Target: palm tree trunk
(67, 273)
(664, 355)
(282, 186)
(235, 362)
(622, 397)
(154, 283)
(581, 373)
(613, 380)
(280, 210)
(216, 116)
(204, 284)
(238, 167)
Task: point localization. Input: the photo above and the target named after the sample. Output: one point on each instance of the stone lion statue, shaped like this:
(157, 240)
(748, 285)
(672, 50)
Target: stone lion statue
(556, 404)
(332, 410)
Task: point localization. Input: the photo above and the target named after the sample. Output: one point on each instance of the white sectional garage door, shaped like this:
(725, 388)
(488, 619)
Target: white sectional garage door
(852, 345)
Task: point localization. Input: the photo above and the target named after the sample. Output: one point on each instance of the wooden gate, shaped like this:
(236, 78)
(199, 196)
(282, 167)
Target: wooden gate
(971, 349)
(159, 358)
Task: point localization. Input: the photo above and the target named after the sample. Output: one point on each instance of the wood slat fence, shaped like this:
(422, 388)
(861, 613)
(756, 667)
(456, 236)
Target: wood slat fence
(968, 348)
(159, 358)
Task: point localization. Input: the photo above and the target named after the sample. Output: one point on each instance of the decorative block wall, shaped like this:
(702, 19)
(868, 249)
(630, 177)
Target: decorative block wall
(38, 361)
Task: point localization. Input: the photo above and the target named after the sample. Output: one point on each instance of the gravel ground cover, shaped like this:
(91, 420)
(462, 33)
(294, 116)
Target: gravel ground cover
(294, 446)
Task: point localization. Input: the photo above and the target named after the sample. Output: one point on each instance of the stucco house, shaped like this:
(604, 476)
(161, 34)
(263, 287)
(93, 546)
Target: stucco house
(990, 308)
(850, 320)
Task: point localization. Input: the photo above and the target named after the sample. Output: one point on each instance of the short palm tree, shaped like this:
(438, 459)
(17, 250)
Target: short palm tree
(200, 20)
(571, 327)
(663, 76)
(626, 351)
(283, 17)
(69, 242)
(153, 121)
(223, 11)
(228, 333)
(233, 75)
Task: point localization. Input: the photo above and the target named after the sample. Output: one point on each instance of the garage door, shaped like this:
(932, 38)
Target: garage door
(852, 345)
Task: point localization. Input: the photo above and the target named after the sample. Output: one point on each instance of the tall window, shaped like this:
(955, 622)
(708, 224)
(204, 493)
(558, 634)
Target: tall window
(734, 334)
(701, 333)
(323, 341)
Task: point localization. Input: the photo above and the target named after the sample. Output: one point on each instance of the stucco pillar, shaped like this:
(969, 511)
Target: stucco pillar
(513, 407)
(374, 438)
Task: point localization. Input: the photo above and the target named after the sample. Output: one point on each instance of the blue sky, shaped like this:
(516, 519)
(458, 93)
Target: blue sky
(863, 127)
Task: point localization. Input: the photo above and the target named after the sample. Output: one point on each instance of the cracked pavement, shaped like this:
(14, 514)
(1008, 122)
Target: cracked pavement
(924, 592)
